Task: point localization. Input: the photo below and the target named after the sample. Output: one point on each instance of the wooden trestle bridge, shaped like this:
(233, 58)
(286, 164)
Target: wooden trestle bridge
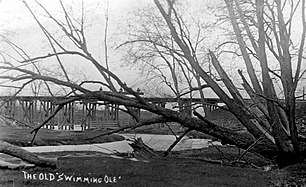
(87, 114)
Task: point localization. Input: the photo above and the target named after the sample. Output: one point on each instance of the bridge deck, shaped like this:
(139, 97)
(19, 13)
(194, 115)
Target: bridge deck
(90, 113)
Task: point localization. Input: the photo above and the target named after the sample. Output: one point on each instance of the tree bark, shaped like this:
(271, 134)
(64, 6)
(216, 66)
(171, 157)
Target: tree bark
(26, 156)
(240, 108)
(279, 134)
(242, 46)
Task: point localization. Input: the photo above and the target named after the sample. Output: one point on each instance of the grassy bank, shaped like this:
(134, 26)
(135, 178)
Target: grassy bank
(184, 168)
(171, 171)
(22, 137)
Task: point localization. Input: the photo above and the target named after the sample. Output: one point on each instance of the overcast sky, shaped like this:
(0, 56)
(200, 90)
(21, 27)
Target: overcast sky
(19, 26)
(17, 23)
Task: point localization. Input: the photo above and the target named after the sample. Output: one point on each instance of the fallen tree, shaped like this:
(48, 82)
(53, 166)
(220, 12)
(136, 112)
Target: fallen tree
(18, 152)
(271, 129)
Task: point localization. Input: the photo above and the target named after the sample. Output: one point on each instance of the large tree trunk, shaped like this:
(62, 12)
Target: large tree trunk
(243, 47)
(281, 137)
(26, 156)
(280, 143)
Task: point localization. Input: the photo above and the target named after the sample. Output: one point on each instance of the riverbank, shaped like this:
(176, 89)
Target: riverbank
(107, 171)
(181, 168)
(45, 137)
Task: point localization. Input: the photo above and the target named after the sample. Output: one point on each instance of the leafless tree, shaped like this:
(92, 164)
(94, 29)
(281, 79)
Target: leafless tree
(270, 123)
(263, 30)
(152, 50)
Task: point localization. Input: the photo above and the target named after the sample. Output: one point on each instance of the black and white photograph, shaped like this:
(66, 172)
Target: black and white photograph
(152, 93)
